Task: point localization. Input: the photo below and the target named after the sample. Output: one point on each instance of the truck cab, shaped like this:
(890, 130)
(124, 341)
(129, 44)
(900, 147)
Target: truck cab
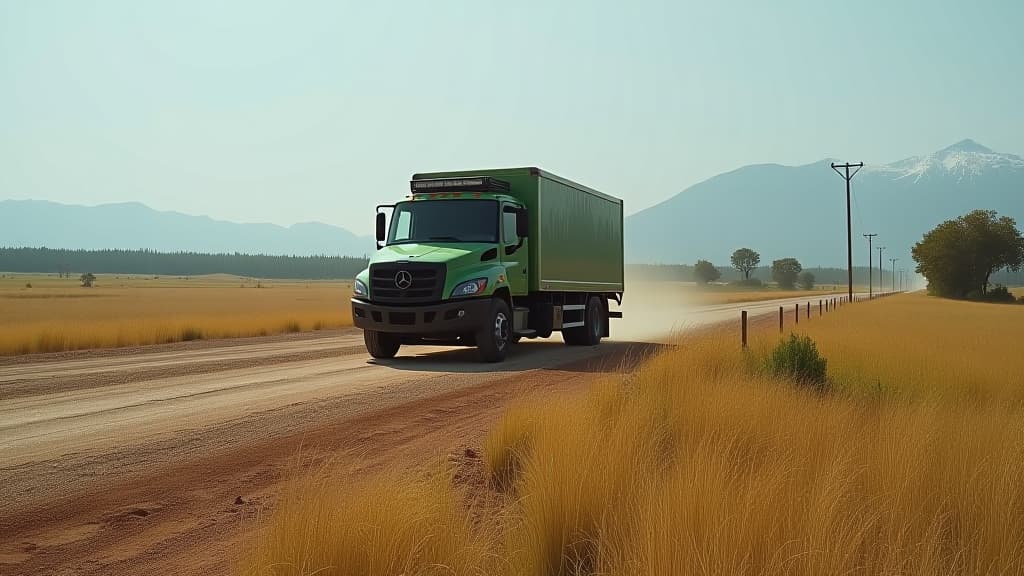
(453, 267)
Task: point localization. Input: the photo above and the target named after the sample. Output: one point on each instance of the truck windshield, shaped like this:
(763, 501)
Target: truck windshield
(444, 221)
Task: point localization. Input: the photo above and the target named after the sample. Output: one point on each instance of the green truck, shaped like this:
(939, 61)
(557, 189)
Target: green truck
(486, 257)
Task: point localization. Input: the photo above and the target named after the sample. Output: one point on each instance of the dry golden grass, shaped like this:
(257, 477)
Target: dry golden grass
(690, 294)
(58, 314)
(391, 525)
(701, 464)
(737, 296)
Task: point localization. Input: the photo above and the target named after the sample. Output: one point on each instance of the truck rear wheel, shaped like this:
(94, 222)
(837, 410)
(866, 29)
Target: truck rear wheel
(495, 337)
(381, 344)
(593, 326)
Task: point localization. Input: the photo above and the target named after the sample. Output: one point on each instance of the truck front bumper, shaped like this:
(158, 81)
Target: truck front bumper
(445, 319)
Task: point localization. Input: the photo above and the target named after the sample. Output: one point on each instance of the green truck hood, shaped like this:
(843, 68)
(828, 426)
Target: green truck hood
(435, 253)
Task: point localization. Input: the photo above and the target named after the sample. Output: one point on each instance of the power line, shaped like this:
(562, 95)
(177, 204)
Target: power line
(880, 250)
(849, 227)
(871, 281)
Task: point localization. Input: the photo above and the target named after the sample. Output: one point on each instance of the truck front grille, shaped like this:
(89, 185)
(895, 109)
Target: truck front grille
(408, 283)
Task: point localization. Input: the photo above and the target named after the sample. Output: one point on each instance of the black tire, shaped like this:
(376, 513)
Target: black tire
(593, 325)
(495, 336)
(381, 344)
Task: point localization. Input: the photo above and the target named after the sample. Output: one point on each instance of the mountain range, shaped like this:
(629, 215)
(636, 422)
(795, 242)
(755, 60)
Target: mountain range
(780, 211)
(37, 223)
(800, 211)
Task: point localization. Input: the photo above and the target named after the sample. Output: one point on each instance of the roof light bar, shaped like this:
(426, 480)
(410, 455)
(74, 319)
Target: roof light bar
(482, 184)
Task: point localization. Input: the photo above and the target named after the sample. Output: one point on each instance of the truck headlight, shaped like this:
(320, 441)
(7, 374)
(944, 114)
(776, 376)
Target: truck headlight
(359, 288)
(470, 288)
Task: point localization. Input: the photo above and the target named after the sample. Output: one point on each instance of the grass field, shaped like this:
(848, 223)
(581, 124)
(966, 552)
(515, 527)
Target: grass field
(57, 314)
(51, 314)
(700, 463)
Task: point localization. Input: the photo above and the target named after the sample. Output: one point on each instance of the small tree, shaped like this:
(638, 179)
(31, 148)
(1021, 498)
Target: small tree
(87, 279)
(806, 280)
(785, 272)
(704, 272)
(745, 260)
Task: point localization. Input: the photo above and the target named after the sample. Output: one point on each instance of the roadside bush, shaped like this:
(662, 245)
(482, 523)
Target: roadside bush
(797, 359)
(28, 285)
(998, 294)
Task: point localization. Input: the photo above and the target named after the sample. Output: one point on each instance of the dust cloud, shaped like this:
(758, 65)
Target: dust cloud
(653, 311)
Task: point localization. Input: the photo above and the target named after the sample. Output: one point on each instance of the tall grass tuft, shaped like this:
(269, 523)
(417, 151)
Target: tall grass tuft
(395, 524)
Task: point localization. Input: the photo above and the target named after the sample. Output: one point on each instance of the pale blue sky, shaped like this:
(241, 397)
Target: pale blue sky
(296, 111)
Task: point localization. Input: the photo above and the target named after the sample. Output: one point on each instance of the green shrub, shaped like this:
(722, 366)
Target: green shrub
(797, 359)
(748, 283)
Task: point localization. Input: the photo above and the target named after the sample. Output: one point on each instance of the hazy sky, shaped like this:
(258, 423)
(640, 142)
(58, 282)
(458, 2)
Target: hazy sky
(295, 111)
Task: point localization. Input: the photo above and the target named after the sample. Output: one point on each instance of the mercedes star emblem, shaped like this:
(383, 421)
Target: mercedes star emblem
(403, 279)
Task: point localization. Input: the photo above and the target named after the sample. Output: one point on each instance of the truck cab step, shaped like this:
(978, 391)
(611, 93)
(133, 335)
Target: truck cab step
(525, 333)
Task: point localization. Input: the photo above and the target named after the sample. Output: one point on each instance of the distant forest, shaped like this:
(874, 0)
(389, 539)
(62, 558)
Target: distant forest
(57, 261)
(60, 261)
(684, 273)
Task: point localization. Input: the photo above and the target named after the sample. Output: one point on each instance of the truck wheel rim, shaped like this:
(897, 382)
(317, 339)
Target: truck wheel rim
(500, 330)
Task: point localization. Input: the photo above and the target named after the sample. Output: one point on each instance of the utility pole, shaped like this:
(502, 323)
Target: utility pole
(849, 226)
(871, 282)
(893, 260)
(880, 250)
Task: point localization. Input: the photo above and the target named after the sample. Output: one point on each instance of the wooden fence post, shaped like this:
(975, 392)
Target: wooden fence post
(743, 323)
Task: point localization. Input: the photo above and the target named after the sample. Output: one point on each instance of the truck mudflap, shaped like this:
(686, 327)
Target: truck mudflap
(445, 319)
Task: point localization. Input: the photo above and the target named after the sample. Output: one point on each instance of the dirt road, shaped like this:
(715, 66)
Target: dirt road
(156, 460)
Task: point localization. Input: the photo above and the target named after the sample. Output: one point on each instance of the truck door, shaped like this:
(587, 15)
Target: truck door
(513, 255)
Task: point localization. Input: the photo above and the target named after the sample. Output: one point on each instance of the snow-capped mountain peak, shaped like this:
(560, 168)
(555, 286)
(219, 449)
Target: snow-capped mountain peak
(964, 160)
(966, 145)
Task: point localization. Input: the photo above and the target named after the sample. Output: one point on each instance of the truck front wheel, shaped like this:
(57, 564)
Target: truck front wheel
(495, 336)
(381, 344)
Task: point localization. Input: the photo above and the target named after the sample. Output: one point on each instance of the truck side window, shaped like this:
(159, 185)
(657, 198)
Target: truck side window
(402, 226)
(508, 225)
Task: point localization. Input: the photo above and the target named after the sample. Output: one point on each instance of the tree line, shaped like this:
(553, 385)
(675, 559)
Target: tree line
(786, 272)
(685, 273)
(65, 262)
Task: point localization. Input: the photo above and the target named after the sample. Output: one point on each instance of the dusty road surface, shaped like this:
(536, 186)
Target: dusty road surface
(156, 460)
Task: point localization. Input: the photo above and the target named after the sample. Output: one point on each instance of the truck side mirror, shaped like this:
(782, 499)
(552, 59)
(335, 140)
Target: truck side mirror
(381, 230)
(522, 223)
